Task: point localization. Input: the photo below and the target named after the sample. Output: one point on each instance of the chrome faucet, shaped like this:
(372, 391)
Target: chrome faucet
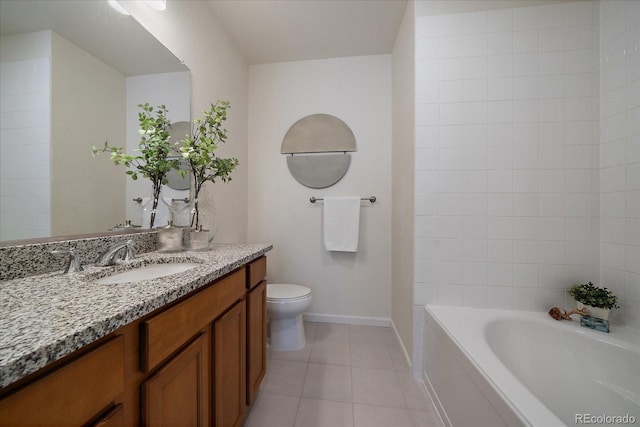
(110, 256)
(73, 265)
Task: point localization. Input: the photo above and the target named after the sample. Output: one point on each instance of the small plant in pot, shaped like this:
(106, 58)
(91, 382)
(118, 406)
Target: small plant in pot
(153, 161)
(198, 149)
(597, 300)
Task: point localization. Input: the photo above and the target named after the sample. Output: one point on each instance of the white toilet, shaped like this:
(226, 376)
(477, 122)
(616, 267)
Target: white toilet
(285, 305)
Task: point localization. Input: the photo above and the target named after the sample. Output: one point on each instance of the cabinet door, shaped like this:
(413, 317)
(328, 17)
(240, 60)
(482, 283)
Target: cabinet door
(256, 339)
(178, 394)
(229, 375)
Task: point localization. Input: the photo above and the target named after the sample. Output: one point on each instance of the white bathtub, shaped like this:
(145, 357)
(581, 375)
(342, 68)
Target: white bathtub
(498, 367)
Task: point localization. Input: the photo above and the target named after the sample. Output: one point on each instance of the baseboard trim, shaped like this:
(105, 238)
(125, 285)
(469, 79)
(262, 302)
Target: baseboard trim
(404, 349)
(347, 320)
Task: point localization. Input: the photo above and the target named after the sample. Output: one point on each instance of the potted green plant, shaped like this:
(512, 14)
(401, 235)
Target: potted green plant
(597, 300)
(153, 160)
(198, 149)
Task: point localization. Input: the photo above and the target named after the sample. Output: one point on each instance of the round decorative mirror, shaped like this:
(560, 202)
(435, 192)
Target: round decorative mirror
(318, 147)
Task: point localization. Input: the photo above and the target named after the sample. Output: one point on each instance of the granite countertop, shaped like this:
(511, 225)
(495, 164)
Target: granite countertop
(46, 317)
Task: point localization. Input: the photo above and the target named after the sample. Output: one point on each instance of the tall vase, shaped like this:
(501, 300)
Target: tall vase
(205, 222)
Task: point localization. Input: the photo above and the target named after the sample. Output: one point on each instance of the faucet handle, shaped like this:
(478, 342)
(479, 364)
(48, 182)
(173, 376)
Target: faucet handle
(130, 254)
(73, 265)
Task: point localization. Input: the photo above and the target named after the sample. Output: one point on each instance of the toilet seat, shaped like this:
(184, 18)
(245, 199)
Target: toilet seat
(287, 293)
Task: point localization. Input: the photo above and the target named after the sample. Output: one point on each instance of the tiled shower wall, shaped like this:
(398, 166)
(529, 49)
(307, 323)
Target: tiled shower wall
(506, 173)
(25, 134)
(620, 153)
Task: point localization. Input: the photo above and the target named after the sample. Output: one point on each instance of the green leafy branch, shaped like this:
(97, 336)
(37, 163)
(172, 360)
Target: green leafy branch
(198, 149)
(153, 160)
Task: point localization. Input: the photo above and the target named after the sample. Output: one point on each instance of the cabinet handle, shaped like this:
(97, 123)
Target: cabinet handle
(106, 419)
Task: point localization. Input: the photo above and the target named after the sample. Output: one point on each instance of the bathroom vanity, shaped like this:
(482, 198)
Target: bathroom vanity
(186, 349)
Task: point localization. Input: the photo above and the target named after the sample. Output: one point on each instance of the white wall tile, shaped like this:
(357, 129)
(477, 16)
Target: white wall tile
(475, 227)
(499, 89)
(550, 16)
(500, 43)
(525, 18)
(500, 20)
(500, 274)
(524, 179)
(499, 297)
(475, 45)
(551, 39)
(500, 66)
(450, 272)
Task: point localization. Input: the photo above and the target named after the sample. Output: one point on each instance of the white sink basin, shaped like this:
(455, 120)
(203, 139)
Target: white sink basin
(147, 272)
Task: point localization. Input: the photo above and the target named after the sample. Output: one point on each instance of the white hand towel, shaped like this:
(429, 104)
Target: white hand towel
(341, 223)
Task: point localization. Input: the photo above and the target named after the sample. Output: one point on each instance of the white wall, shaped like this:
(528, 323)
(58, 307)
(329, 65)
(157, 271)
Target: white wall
(402, 154)
(620, 154)
(25, 114)
(87, 194)
(358, 91)
(190, 30)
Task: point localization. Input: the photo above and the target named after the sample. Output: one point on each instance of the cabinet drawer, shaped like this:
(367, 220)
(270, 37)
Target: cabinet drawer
(72, 394)
(257, 272)
(165, 333)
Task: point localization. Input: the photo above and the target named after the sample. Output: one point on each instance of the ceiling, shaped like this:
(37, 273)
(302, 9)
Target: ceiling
(293, 30)
(95, 27)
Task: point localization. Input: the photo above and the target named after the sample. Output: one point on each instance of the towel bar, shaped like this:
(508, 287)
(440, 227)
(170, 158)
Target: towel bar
(372, 199)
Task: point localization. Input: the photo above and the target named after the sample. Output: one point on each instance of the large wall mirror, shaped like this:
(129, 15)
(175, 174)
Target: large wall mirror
(72, 74)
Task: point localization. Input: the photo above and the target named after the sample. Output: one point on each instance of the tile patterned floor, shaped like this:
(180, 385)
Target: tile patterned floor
(346, 376)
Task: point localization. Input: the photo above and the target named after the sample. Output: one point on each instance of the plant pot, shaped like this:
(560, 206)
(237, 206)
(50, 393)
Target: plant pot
(199, 240)
(208, 216)
(600, 313)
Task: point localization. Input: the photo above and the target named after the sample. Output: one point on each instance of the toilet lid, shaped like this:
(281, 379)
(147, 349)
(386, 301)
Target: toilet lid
(286, 292)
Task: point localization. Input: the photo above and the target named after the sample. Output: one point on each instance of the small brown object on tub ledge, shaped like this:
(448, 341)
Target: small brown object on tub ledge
(559, 314)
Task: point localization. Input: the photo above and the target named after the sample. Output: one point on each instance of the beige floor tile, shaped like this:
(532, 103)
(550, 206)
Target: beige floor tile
(372, 356)
(324, 413)
(328, 382)
(390, 337)
(377, 387)
(284, 377)
(310, 331)
(425, 419)
(367, 334)
(331, 353)
(297, 355)
(272, 410)
(331, 332)
(415, 394)
(400, 363)
(381, 416)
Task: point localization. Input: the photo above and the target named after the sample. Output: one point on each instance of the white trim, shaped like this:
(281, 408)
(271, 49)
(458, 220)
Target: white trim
(347, 320)
(436, 401)
(404, 349)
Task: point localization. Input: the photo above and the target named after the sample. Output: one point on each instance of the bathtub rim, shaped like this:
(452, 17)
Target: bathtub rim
(466, 327)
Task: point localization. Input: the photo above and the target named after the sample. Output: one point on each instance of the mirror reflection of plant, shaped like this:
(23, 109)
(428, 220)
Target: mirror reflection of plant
(198, 150)
(153, 161)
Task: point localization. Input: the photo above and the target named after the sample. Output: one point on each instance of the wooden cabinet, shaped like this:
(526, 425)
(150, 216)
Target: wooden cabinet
(229, 361)
(256, 339)
(196, 362)
(178, 394)
(113, 417)
(74, 394)
(164, 333)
